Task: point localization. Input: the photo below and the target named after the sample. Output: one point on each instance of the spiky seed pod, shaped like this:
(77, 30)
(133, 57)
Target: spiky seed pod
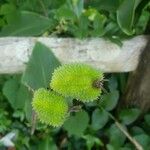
(76, 80)
(51, 109)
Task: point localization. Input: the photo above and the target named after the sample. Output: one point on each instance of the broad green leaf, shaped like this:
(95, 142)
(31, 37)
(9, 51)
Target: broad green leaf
(110, 147)
(76, 125)
(54, 4)
(112, 83)
(111, 28)
(136, 130)
(16, 93)
(128, 116)
(98, 25)
(125, 148)
(5, 122)
(125, 15)
(147, 119)
(91, 141)
(19, 114)
(77, 7)
(144, 140)
(129, 145)
(122, 80)
(143, 20)
(40, 67)
(116, 137)
(47, 144)
(28, 24)
(99, 119)
(109, 101)
(2, 22)
(70, 10)
(83, 26)
(7, 8)
(28, 108)
(107, 5)
(39, 6)
(19, 97)
(81, 29)
(9, 11)
(65, 13)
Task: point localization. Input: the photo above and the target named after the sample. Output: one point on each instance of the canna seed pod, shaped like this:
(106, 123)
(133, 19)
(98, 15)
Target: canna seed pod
(77, 80)
(51, 108)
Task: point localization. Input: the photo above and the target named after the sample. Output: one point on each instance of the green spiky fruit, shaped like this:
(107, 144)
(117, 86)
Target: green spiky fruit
(77, 81)
(51, 109)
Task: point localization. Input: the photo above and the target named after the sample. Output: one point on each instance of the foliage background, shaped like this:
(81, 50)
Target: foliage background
(93, 127)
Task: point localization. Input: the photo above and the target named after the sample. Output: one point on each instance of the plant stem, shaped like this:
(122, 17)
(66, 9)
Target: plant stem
(34, 118)
(125, 132)
(132, 140)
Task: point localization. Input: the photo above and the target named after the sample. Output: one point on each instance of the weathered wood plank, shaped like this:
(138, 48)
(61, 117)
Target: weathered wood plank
(98, 52)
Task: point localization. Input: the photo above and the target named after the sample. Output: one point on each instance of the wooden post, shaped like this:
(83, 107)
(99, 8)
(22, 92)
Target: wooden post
(138, 87)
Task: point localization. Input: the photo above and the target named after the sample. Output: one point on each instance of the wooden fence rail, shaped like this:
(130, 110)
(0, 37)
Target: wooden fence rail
(98, 52)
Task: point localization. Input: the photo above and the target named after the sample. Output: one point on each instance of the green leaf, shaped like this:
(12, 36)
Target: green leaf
(111, 28)
(98, 25)
(125, 148)
(19, 97)
(109, 101)
(125, 15)
(2, 22)
(15, 93)
(7, 9)
(128, 116)
(99, 119)
(76, 125)
(77, 7)
(65, 13)
(122, 80)
(144, 140)
(91, 141)
(5, 123)
(47, 144)
(70, 10)
(40, 67)
(19, 114)
(107, 5)
(28, 24)
(129, 146)
(116, 137)
(9, 12)
(136, 130)
(81, 29)
(112, 83)
(143, 20)
(41, 7)
(147, 119)
(110, 147)
(28, 108)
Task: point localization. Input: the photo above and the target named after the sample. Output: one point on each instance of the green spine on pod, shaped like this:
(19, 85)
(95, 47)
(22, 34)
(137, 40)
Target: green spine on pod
(51, 108)
(77, 80)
